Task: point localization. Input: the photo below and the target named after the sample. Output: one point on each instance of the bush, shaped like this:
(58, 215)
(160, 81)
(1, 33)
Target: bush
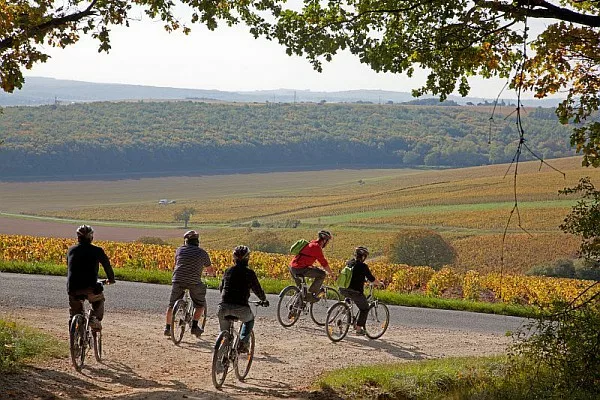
(562, 268)
(587, 269)
(267, 242)
(151, 240)
(421, 247)
(564, 347)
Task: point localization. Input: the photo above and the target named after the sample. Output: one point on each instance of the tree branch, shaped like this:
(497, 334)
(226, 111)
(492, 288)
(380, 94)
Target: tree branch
(51, 24)
(542, 9)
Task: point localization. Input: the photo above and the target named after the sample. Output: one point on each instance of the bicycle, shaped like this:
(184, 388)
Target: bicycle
(82, 337)
(342, 315)
(183, 315)
(227, 353)
(293, 302)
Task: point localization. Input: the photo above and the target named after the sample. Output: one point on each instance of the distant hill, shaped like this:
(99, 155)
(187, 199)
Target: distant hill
(40, 91)
(172, 137)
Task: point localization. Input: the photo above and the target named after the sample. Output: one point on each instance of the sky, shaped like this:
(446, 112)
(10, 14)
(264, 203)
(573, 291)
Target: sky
(227, 59)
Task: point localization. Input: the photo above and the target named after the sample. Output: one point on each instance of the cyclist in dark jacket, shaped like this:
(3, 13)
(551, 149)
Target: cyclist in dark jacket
(83, 262)
(235, 288)
(355, 291)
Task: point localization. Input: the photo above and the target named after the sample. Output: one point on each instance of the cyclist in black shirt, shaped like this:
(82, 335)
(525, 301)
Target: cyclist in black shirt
(355, 291)
(235, 292)
(83, 261)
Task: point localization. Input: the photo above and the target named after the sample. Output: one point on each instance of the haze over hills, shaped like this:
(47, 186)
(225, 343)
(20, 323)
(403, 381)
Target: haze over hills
(40, 91)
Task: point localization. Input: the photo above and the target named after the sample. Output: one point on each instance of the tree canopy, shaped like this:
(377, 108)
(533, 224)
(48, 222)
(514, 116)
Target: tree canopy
(453, 40)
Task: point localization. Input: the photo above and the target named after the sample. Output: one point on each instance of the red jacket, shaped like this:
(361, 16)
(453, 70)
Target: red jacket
(311, 252)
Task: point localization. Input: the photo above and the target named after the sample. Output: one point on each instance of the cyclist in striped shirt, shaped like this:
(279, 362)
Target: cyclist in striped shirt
(190, 261)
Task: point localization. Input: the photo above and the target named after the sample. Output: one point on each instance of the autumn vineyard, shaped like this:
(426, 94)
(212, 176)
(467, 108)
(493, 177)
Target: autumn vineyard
(512, 289)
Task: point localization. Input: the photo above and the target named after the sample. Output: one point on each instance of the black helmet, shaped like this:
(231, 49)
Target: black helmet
(191, 235)
(85, 232)
(325, 235)
(361, 252)
(241, 253)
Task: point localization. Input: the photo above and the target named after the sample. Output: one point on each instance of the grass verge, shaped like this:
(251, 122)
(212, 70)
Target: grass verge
(449, 378)
(275, 286)
(20, 344)
(466, 378)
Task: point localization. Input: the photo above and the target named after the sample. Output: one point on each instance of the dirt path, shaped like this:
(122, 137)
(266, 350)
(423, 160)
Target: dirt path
(140, 363)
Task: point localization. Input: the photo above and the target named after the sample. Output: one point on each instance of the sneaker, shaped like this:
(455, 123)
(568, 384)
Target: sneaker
(197, 331)
(167, 332)
(95, 324)
(312, 298)
(360, 331)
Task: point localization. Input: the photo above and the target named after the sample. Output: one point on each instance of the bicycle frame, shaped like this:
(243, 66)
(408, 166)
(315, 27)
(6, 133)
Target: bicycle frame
(226, 353)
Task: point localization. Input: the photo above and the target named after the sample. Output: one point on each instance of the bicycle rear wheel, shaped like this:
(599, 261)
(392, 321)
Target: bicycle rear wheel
(289, 306)
(178, 321)
(318, 310)
(338, 321)
(220, 361)
(243, 361)
(97, 340)
(77, 341)
(378, 320)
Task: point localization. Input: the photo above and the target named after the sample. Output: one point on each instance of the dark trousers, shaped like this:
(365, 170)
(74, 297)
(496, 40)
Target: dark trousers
(317, 274)
(96, 300)
(361, 302)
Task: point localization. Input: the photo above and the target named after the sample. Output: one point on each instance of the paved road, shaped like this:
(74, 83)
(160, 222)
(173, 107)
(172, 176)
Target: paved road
(50, 291)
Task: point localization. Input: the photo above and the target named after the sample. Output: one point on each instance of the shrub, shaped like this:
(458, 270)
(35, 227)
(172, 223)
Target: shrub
(421, 247)
(151, 240)
(564, 346)
(267, 242)
(562, 268)
(587, 269)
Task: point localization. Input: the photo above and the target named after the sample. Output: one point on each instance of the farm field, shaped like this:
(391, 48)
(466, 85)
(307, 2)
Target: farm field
(469, 206)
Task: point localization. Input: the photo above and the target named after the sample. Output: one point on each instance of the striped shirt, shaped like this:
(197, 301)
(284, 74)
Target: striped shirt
(190, 260)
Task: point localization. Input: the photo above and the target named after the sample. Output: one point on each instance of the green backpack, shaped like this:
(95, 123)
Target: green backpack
(345, 277)
(298, 246)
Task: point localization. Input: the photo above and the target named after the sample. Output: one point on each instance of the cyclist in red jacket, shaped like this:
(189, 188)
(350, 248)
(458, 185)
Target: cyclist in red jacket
(302, 264)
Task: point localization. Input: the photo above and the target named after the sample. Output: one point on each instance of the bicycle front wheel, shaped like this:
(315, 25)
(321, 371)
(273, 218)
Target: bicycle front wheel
(378, 320)
(338, 321)
(318, 310)
(77, 341)
(178, 321)
(243, 361)
(97, 340)
(220, 361)
(289, 306)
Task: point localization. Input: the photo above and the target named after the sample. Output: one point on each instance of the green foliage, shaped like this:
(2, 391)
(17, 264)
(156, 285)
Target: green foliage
(55, 141)
(563, 349)
(421, 247)
(584, 218)
(266, 241)
(184, 215)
